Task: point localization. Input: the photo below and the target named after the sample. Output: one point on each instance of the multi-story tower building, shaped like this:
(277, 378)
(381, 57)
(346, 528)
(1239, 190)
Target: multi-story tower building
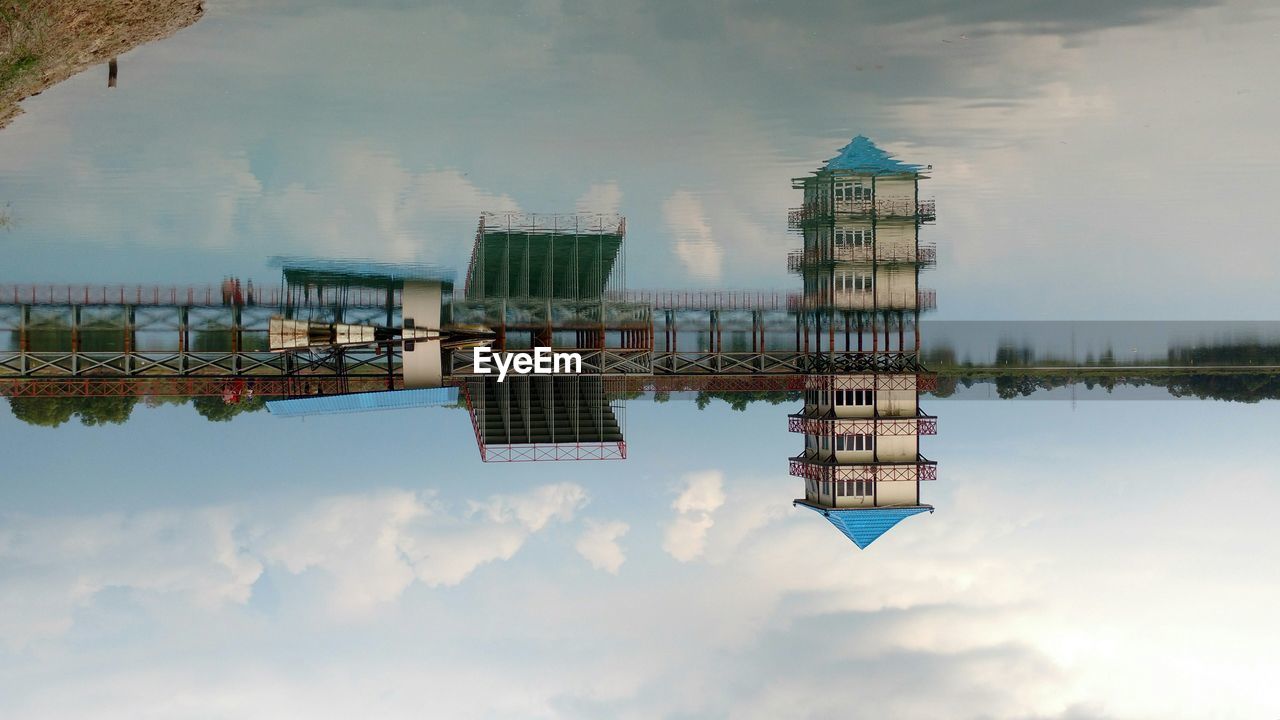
(861, 264)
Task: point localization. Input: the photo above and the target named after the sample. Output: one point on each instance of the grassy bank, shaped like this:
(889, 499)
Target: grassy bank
(43, 42)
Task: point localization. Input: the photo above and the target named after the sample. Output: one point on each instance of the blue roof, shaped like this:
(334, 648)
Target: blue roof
(362, 402)
(862, 155)
(864, 525)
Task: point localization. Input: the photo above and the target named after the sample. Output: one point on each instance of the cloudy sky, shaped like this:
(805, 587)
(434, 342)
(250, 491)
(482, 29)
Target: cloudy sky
(1080, 564)
(1093, 160)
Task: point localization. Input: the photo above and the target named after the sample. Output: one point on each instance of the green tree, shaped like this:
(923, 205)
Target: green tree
(215, 409)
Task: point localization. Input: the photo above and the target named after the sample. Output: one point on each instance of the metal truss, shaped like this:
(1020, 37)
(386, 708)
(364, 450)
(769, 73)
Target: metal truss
(540, 451)
(553, 452)
(336, 362)
(612, 361)
(920, 381)
(298, 386)
(846, 363)
(925, 299)
(920, 470)
(714, 383)
(921, 424)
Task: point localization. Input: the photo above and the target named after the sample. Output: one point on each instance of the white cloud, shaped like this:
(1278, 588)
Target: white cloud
(373, 547)
(703, 491)
(368, 549)
(51, 568)
(601, 198)
(685, 538)
(691, 237)
(599, 545)
(536, 508)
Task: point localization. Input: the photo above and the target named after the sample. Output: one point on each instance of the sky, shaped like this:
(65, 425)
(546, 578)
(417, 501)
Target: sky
(1089, 163)
(1079, 564)
(1094, 560)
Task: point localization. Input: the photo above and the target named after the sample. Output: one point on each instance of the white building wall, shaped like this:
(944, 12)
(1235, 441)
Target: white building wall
(902, 492)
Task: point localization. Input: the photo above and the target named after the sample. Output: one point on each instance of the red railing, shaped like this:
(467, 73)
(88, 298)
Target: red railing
(923, 470)
(919, 425)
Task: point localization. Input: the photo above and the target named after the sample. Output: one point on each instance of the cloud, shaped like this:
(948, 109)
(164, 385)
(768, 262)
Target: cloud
(685, 538)
(536, 508)
(51, 568)
(374, 547)
(601, 198)
(367, 549)
(599, 545)
(691, 237)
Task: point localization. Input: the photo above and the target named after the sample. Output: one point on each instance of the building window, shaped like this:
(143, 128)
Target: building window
(856, 443)
(857, 488)
(856, 397)
(852, 190)
(854, 238)
(846, 282)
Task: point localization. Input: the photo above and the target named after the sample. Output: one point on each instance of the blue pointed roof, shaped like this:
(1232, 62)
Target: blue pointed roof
(862, 155)
(864, 525)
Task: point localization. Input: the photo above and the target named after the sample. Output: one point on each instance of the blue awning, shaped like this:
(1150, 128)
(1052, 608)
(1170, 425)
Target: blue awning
(363, 402)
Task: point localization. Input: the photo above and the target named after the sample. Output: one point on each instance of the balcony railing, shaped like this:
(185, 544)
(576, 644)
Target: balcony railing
(913, 380)
(798, 260)
(921, 424)
(811, 469)
(923, 210)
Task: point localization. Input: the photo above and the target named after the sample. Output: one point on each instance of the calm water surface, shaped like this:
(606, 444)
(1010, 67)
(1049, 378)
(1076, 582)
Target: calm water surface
(1090, 163)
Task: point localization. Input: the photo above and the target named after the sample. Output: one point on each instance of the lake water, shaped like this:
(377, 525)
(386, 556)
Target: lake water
(1091, 229)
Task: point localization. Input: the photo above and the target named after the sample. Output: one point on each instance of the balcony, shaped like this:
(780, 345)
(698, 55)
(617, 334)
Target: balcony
(921, 424)
(922, 210)
(799, 260)
(825, 471)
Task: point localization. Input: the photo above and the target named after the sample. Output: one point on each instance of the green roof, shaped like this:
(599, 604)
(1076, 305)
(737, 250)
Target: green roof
(542, 264)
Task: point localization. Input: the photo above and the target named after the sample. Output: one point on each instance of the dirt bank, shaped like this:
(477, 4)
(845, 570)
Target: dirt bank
(43, 42)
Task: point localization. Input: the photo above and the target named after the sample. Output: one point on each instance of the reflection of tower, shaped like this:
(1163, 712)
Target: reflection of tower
(861, 264)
